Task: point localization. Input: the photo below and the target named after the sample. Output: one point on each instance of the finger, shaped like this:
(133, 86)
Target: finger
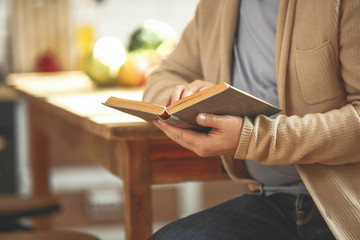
(167, 101)
(194, 87)
(206, 87)
(190, 90)
(156, 123)
(216, 121)
(177, 93)
(209, 120)
(183, 137)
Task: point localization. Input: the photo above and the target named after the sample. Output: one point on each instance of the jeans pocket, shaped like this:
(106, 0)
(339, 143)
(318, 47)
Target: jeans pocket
(303, 218)
(310, 224)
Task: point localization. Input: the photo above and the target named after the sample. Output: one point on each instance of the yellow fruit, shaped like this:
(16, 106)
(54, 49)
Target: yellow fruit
(166, 47)
(134, 71)
(105, 59)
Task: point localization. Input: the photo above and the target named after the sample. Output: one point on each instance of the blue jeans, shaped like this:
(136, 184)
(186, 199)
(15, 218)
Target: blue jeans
(278, 216)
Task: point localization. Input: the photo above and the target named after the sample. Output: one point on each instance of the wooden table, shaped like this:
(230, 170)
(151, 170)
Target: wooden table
(65, 108)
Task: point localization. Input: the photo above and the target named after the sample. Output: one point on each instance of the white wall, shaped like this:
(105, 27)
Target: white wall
(121, 17)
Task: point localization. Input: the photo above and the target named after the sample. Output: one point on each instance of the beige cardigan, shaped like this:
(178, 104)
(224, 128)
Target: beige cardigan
(318, 78)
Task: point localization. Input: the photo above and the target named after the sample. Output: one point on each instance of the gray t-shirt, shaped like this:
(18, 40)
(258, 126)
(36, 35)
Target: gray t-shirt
(254, 72)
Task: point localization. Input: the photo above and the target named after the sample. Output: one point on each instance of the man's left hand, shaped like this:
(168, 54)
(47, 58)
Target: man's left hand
(222, 139)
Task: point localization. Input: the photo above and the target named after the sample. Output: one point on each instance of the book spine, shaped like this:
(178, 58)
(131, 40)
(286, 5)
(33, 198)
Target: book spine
(173, 120)
(176, 122)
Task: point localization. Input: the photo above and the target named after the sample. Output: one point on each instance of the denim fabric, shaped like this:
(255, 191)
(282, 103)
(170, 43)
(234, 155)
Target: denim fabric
(278, 216)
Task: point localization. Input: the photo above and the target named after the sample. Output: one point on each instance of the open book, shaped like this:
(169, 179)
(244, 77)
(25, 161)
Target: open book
(221, 99)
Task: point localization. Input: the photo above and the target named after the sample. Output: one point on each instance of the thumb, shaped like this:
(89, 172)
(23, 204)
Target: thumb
(209, 120)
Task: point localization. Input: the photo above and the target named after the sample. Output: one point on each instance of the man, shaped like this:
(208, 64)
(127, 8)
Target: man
(299, 54)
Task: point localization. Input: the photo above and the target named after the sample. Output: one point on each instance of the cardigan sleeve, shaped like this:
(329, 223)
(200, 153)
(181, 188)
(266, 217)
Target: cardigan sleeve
(330, 138)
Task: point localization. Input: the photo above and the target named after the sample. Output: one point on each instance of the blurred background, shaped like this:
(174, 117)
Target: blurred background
(117, 43)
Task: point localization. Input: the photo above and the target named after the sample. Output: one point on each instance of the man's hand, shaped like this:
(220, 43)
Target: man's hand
(181, 91)
(221, 140)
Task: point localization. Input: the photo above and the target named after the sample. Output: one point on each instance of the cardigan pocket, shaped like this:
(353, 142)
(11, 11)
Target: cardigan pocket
(317, 75)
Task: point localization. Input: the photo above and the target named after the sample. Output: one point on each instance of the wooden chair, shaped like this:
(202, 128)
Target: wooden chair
(13, 208)
(47, 235)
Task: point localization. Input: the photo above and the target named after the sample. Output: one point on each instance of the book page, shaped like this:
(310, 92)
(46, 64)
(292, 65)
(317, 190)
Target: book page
(120, 103)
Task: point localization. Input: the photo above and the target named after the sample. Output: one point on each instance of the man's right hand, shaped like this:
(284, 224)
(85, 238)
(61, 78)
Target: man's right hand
(181, 91)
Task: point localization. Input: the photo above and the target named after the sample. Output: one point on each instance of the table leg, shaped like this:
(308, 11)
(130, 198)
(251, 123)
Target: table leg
(39, 163)
(39, 160)
(137, 186)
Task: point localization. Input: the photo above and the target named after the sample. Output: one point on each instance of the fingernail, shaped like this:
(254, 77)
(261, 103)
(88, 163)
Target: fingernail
(201, 117)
